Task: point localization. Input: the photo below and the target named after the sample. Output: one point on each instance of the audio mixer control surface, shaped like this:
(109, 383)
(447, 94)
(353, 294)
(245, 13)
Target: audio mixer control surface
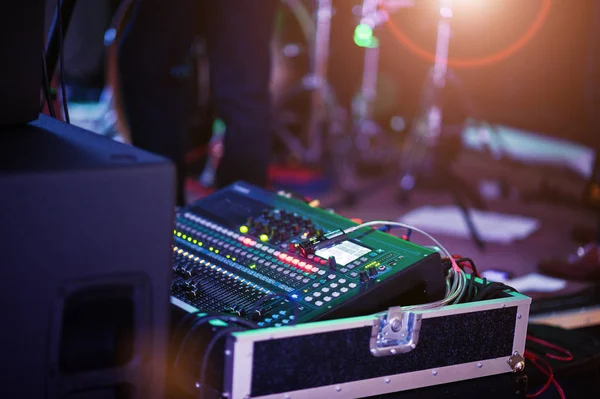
(277, 261)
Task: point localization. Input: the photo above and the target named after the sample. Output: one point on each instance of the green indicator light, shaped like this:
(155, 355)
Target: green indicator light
(363, 37)
(216, 251)
(195, 241)
(264, 237)
(228, 256)
(178, 234)
(243, 229)
(233, 259)
(363, 32)
(210, 248)
(190, 239)
(252, 266)
(174, 231)
(184, 236)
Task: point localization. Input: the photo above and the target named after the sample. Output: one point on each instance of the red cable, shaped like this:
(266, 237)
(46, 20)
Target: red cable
(567, 358)
(536, 360)
(533, 358)
(456, 257)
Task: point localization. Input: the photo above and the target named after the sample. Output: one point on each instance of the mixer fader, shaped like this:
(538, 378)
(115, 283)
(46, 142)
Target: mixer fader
(278, 261)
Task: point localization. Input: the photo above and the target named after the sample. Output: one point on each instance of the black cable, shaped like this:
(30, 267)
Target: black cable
(490, 290)
(184, 320)
(46, 87)
(209, 349)
(205, 319)
(62, 61)
(473, 289)
(470, 262)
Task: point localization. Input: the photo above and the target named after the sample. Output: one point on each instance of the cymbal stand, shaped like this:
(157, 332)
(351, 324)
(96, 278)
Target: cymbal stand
(422, 142)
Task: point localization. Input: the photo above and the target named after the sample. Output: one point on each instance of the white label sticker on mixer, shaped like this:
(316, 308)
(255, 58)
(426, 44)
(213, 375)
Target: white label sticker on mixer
(344, 252)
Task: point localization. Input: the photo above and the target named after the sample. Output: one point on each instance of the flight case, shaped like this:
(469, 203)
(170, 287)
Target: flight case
(373, 355)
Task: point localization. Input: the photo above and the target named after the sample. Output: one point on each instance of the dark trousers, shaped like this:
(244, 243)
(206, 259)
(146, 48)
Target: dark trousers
(238, 34)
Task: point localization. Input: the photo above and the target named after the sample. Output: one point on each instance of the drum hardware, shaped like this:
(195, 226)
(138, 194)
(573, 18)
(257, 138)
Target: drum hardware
(422, 144)
(308, 142)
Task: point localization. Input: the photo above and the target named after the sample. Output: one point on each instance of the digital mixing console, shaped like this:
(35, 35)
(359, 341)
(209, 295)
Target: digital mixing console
(277, 261)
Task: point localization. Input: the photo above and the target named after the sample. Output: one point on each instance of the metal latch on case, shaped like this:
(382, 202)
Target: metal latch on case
(395, 332)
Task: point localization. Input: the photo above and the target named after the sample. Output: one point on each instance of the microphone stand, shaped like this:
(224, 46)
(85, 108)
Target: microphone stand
(423, 142)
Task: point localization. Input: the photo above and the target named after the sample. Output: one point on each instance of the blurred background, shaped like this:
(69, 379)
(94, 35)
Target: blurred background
(475, 120)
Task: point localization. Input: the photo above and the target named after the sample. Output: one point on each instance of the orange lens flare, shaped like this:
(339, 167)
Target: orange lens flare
(478, 61)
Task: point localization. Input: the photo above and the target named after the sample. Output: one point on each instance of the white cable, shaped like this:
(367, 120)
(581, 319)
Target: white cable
(459, 280)
(399, 224)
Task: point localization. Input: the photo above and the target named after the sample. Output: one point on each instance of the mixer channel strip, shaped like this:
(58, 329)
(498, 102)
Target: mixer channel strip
(240, 250)
(204, 250)
(212, 288)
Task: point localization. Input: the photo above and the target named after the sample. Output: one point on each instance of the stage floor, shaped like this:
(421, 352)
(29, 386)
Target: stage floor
(551, 239)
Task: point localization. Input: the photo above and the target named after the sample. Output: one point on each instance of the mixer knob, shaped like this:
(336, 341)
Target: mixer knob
(256, 316)
(331, 262)
(235, 310)
(181, 271)
(230, 309)
(372, 271)
(364, 277)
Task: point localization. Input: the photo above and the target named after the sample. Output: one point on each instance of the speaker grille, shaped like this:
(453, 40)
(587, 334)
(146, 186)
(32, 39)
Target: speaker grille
(98, 329)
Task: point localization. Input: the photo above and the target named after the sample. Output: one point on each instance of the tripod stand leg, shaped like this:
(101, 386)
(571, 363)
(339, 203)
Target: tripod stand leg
(468, 217)
(344, 162)
(463, 195)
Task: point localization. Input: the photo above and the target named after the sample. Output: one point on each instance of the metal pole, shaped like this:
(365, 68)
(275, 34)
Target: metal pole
(317, 78)
(53, 41)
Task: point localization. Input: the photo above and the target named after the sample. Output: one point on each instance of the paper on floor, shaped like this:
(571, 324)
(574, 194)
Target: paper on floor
(492, 227)
(535, 282)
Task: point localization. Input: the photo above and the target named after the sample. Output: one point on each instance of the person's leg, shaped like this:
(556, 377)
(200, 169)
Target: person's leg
(157, 38)
(585, 263)
(239, 44)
